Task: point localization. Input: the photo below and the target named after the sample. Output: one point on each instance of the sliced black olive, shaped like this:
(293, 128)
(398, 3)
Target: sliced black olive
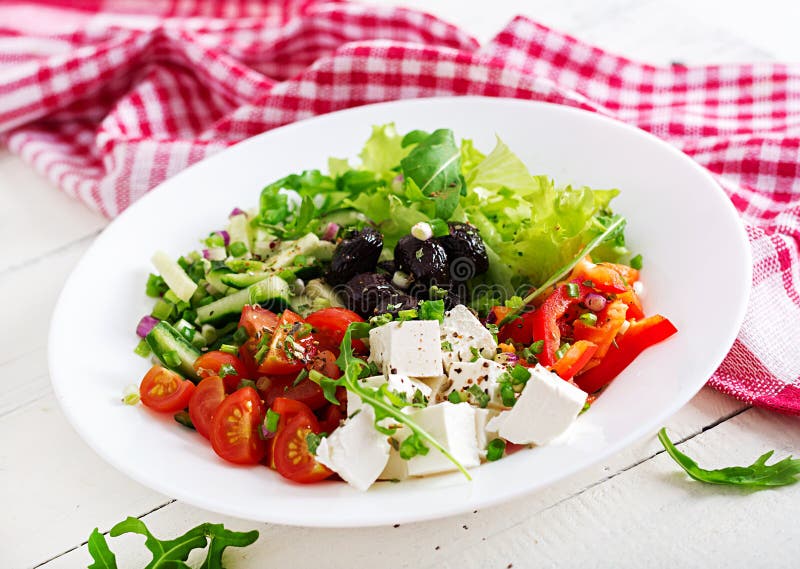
(426, 261)
(357, 253)
(466, 252)
(372, 293)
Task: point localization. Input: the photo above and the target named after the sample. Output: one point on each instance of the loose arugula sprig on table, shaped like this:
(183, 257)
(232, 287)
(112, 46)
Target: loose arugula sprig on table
(353, 369)
(758, 475)
(171, 553)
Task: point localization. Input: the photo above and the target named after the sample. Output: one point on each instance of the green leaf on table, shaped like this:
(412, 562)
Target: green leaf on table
(434, 165)
(101, 554)
(176, 551)
(220, 538)
(758, 475)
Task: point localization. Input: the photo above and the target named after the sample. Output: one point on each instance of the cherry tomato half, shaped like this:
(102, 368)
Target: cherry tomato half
(164, 390)
(234, 428)
(289, 350)
(227, 366)
(204, 403)
(290, 453)
(330, 324)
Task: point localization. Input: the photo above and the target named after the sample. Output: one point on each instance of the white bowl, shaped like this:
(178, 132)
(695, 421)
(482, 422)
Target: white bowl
(697, 272)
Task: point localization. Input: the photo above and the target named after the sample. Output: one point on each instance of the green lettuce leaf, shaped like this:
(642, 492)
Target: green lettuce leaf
(383, 151)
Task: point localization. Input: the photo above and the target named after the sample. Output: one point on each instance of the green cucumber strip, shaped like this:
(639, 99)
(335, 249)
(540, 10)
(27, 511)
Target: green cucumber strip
(272, 292)
(163, 339)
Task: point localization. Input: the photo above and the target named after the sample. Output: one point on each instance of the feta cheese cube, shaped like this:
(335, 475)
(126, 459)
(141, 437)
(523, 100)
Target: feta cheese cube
(400, 384)
(483, 373)
(410, 348)
(463, 332)
(453, 426)
(545, 409)
(396, 468)
(437, 385)
(356, 451)
(354, 402)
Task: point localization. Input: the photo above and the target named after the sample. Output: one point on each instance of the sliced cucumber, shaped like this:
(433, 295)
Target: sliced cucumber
(164, 339)
(176, 278)
(216, 276)
(324, 250)
(244, 265)
(243, 280)
(272, 292)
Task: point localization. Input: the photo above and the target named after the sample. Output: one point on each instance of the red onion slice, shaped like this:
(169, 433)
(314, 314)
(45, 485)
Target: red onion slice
(145, 325)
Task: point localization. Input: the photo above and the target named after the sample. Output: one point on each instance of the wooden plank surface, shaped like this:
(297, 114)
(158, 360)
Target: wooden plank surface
(634, 509)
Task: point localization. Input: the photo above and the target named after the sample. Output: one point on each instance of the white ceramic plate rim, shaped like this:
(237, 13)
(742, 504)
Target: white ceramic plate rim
(505, 493)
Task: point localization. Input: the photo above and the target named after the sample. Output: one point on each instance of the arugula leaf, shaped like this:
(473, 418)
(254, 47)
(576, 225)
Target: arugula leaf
(175, 550)
(758, 475)
(171, 553)
(101, 554)
(434, 165)
(220, 538)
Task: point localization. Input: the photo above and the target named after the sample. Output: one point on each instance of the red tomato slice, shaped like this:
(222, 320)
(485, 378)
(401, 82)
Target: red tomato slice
(165, 391)
(330, 418)
(204, 402)
(290, 451)
(255, 320)
(234, 428)
(288, 351)
(577, 356)
(330, 324)
(227, 366)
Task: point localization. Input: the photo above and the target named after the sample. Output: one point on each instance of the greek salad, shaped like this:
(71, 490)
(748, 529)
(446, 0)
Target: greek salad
(421, 311)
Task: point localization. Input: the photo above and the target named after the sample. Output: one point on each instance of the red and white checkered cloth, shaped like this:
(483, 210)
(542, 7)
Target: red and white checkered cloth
(107, 99)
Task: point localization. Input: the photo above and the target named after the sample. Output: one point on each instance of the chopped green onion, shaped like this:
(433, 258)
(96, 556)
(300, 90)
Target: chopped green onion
(312, 442)
(300, 377)
(155, 286)
(636, 262)
(537, 346)
(287, 275)
(381, 319)
(163, 310)
(171, 358)
(413, 446)
(514, 302)
(303, 331)
(507, 394)
(240, 336)
(404, 315)
(183, 418)
(183, 262)
(214, 240)
(589, 318)
(562, 350)
(479, 396)
(300, 261)
(439, 227)
(142, 349)
(229, 349)
(447, 346)
(454, 397)
(495, 449)
(475, 353)
(573, 290)
(237, 249)
(227, 369)
(131, 395)
(437, 293)
(170, 296)
(190, 315)
(520, 374)
(271, 421)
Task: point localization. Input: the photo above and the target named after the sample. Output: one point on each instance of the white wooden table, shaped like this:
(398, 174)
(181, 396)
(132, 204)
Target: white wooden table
(636, 509)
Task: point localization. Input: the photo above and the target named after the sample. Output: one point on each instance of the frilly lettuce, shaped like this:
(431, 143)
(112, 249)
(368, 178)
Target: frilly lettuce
(530, 226)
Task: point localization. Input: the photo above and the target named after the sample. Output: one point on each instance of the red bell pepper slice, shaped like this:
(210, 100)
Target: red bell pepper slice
(609, 321)
(544, 320)
(605, 276)
(640, 336)
(577, 356)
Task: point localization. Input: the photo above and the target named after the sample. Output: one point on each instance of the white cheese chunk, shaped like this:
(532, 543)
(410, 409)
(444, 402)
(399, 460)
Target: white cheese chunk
(453, 426)
(484, 434)
(354, 402)
(400, 384)
(545, 409)
(483, 373)
(356, 451)
(462, 333)
(410, 348)
(396, 468)
(437, 385)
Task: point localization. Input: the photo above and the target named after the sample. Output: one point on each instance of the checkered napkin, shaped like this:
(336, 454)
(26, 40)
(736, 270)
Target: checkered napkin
(108, 101)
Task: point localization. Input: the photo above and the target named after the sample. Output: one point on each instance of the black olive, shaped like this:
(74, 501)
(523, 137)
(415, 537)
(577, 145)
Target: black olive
(372, 293)
(457, 294)
(466, 252)
(357, 253)
(388, 266)
(426, 261)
